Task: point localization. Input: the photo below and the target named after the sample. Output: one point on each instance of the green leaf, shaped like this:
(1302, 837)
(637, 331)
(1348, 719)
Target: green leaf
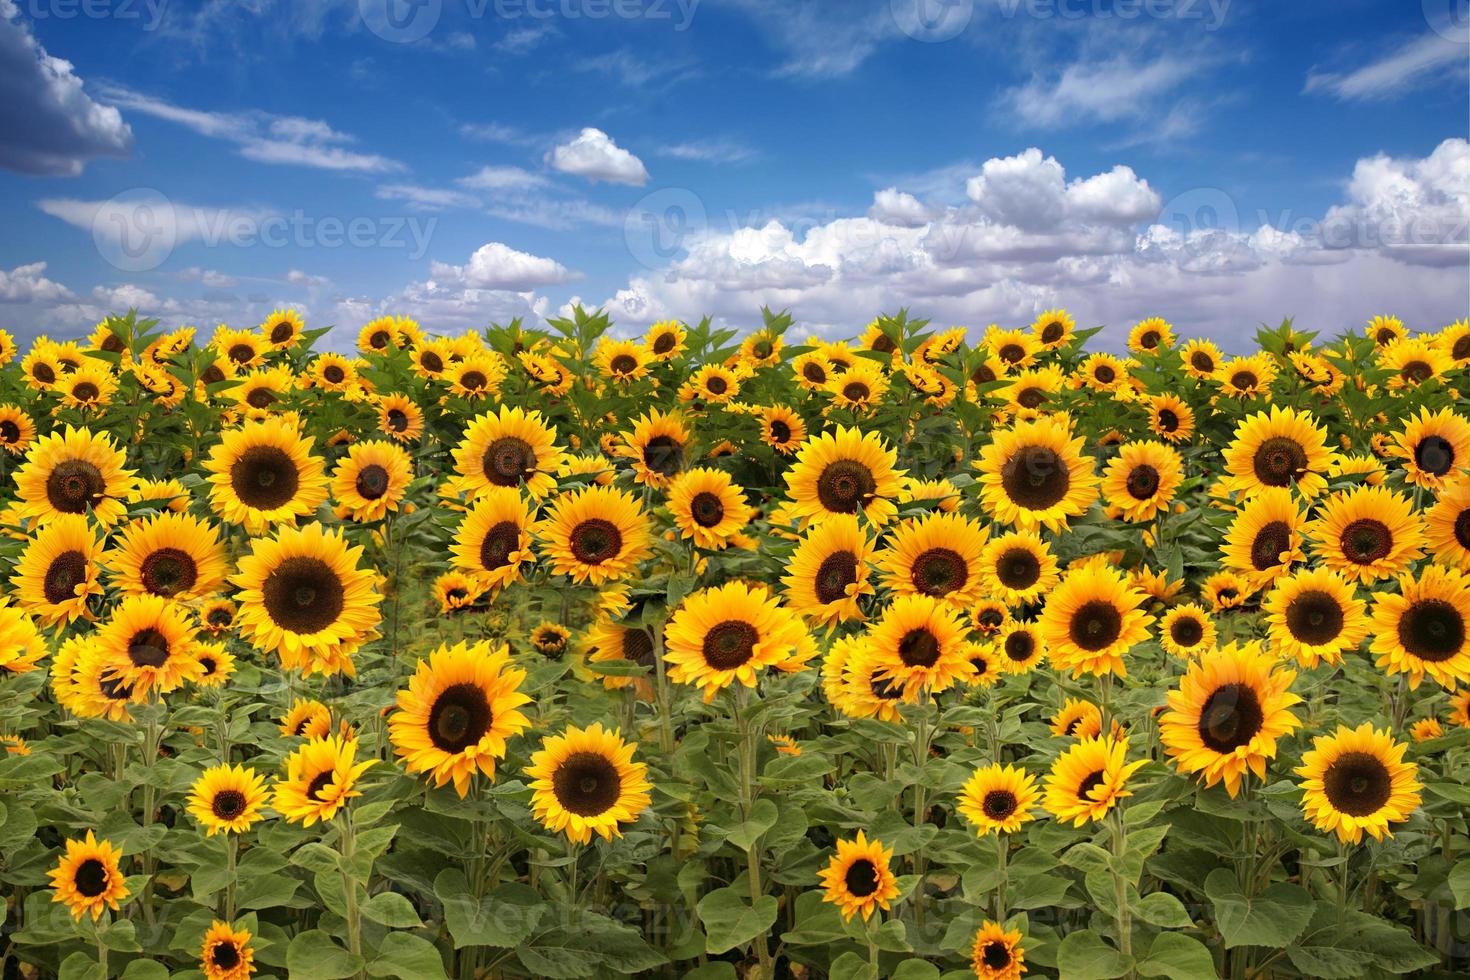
(1163, 909)
(145, 970)
(915, 970)
(1273, 918)
(393, 910)
(851, 966)
(313, 955)
(80, 966)
(762, 818)
(1178, 958)
(405, 955)
(712, 971)
(1084, 956)
(504, 918)
(729, 922)
(1460, 884)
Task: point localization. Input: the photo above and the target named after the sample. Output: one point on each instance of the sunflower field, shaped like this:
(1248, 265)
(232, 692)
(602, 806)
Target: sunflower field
(723, 655)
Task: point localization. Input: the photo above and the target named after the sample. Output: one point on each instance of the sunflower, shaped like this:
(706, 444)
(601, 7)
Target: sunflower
(841, 472)
(1265, 539)
(1227, 713)
(550, 639)
(1460, 709)
(400, 418)
(458, 591)
(1092, 619)
(622, 361)
(609, 641)
(215, 663)
(937, 555)
(1087, 780)
(713, 383)
(595, 535)
(76, 472)
(761, 348)
(828, 572)
(371, 480)
(865, 690)
(1385, 330)
(494, 540)
(90, 387)
(1425, 627)
(996, 953)
(725, 635)
(1187, 631)
(664, 341)
(21, 646)
(1447, 525)
(378, 336)
(998, 799)
(781, 429)
(1435, 448)
(812, 370)
(1281, 448)
(1053, 329)
(303, 595)
(1013, 347)
(217, 616)
(919, 644)
(584, 781)
(1077, 718)
(87, 877)
(1227, 590)
(321, 777)
(150, 644)
(1413, 362)
(227, 798)
(97, 690)
(1029, 391)
(1246, 377)
(459, 709)
(859, 389)
(57, 572)
(226, 953)
(989, 616)
(1019, 647)
(477, 376)
(41, 369)
(708, 507)
(1103, 372)
(1142, 480)
(243, 348)
(306, 719)
(1018, 567)
(1355, 780)
(263, 473)
(512, 448)
(172, 555)
(658, 444)
(17, 431)
(1367, 534)
(1151, 335)
(858, 878)
(1034, 474)
(986, 668)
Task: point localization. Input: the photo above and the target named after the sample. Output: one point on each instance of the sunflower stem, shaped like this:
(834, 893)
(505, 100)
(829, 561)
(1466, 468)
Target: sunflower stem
(349, 883)
(747, 747)
(151, 739)
(1123, 914)
(922, 737)
(1002, 849)
(232, 845)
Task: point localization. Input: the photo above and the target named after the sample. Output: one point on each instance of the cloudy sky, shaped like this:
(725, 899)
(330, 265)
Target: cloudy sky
(1217, 162)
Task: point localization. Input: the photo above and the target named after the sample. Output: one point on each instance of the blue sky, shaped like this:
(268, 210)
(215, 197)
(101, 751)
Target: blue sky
(1217, 162)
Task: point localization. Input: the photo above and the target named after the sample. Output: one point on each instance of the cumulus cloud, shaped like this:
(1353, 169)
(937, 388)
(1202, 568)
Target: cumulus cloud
(1417, 211)
(594, 155)
(28, 284)
(49, 126)
(895, 207)
(496, 265)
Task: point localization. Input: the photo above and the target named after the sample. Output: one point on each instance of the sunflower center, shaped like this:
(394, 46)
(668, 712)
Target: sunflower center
(168, 571)
(1011, 353)
(1018, 569)
(473, 380)
(1435, 455)
(1168, 420)
(1230, 717)
(226, 956)
(1268, 545)
(996, 955)
(983, 375)
(885, 688)
(664, 455)
(212, 375)
(780, 432)
(242, 353)
(372, 482)
(75, 485)
(66, 571)
(1020, 645)
(1092, 782)
(990, 619)
(1278, 461)
(499, 542)
(595, 541)
(114, 689)
(228, 804)
(624, 364)
(855, 391)
(148, 648)
(919, 648)
(1186, 631)
(219, 617)
(1416, 371)
(85, 391)
(813, 372)
(587, 784)
(999, 804)
(460, 718)
(9, 431)
(1462, 528)
(90, 878)
(431, 362)
(716, 385)
(209, 666)
(319, 784)
(1095, 625)
(939, 571)
(838, 570)
(1314, 617)
(1244, 380)
(763, 349)
(638, 647)
(397, 420)
(1366, 540)
(260, 398)
(1143, 482)
(1461, 350)
(861, 879)
(1031, 398)
(1432, 630)
(1149, 340)
(113, 344)
(884, 344)
(707, 509)
(508, 461)
(303, 595)
(1035, 477)
(264, 477)
(334, 374)
(844, 485)
(1104, 374)
(1202, 361)
(664, 343)
(730, 644)
(1052, 332)
(1357, 784)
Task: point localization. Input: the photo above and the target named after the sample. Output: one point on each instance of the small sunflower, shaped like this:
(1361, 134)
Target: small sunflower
(1019, 647)
(1091, 619)
(781, 429)
(708, 507)
(595, 535)
(937, 555)
(1034, 474)
(400, 418)
(860, 389)
(1435, 448)
(622, 361)
(149, 642)
(659, 445)
(1103, 372)
(306, 719)
(727, 634)
(1201, 359)
(75, 472)
(608, 641)
(321, 776)
(1077, 718)
(17, 431)
(90, 387)
(664, 340)
(1367, 534)
(1018, 567)
(998, 799)
(1088, 779)
(1053, 329)
(1246, 377)
(88, 878)
(550, 639)
(997, 954)
(243, 348)
(226, 953)
(842, 472)
(812, 370)
(458, 591)
(1282, 448)
(371, 480)
(227, 798)
(858, 878)
(829, 571)
(1356, 780)
(713, 383)
(1425, 627)
(1447, 525)
(175, 556)
(1227, 590)
(1187, 631)
(1142, 480)
(1265, 539)
(283, 329)
(57, 572)
(217, 616)
(1170, 418)
(263, 473)
(1314, 616)
(216, 664)
(457, 712)
(919, 644)
(512, 448)
(494, 540)
(584, 781)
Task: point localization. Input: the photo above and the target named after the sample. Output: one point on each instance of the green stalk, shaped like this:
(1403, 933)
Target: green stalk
(1123, 915)
(349, 884)
(747, 747)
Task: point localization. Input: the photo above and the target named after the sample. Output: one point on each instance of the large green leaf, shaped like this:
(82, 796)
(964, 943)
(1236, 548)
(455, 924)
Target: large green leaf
(1273, 918)
(1085, 956)
(729, 921)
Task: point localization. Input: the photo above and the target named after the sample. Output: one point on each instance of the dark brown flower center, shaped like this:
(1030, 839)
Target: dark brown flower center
(1035, 477)
(1268, 545)
(1357, 783)
(220, 617)
(1168, 419)
(1186, 631)
(664, 455)
(919, 648)
(624, 364)
(90, 878)
(707, 509)
(1096, 625)
(837, 571)
(1143, 482)
(1053, 332)
(241, 353)
(813, 372)
(168, 571)
(85, 391)
(1092, 782)
(1366, 540)
(1432, 630)
(1244, 380)
(226, 956)
(1462, 528)
(9, 432)
(716, 385)
(855, 391)
(861, 879)
(1011, 353)
(319, 784)
(473, 380)
(780, 432)
(228, 804)
(264, 477)
(303, 595)
(508, 462)
(66, 571)
(1461, 350)
(431, 362)
(996, 955)
(497, 545)
(1415, 372)
(845, 485)
(595, 541)
(1314, 617)
(372, 482)
(1435, 455)
(983, 375)
(939, 571)
(1230, 717)
(459, 718)
(282, 332)
(884, 344)
(148, 648)
(999, 804)
(587, 784)
(730, 644)
(1105, 373)
(1149, 340)
(1031, 398)
(74, 486)
(1018, 569)
(1019, 646)
(1279, 460)
(113, 344)
(664, 343)
(397, 420)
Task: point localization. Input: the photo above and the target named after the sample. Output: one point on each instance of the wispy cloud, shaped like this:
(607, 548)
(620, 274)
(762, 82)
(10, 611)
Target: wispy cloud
(1120, 88)
(709, 151)
(426, 198)
(1424, 60)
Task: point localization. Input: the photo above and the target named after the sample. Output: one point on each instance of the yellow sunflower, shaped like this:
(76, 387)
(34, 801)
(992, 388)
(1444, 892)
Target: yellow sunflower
(1355, 780)
(1447, 525)
(812, 370)
(87, 878)
(1091, 619)
(1425, 627)
(1103, 372)
(1281, 448)
(1265, 539)
(1227, 590)
(226, 953)
(1367, 534)
(458, 591)
(658, 444)
(997, 954)
(858, 878)
(306, 719)
(1227, 713)
(21, 645)
(75, 472)
(919, 644)
(494, 540)
(511, 448)
(550, 639)
(828, 573)
(457, 712)
(321, 776)
(1077, 718)
(1187, 631)
(283, 329)
(400, 418)
(371, 480)
(708, 507)
(781, 429)
(227, 798)
(1246, 377)
(1435, 448)
(1053, 329)
(1170, 418)
(149, 642)
(844, 471)
(664, 340)
(175, 556)
(90, 386)
(1088, 779)
(1151, 335)
(727, 634)
(998, 799)
(1413, 362)
(1034, 474)
(1142, 480)
(595, 535)
(1018, 567)
(584, 781)
(1385, 330)
(41, 369)
(859, 389)
(17, 431)
(609, 641)
(1019, 647)
(263, 473)
(216, 664)
(243, 348)
(1013, 347)
(57, 572)
(937, 555)
(712, 383)
(622, 361)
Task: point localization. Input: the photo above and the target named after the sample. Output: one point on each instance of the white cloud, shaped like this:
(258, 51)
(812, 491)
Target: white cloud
(49, 126)
(426, 198)
(895, 207)
(492, 178)
(709, 151)
(1428, 59)
(28, 284)
(307, 281)
(497, 266)
(211, 278)
(594, 155)
(1096, 90)
(1417, 211)
(123, 219)
(127, 297)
